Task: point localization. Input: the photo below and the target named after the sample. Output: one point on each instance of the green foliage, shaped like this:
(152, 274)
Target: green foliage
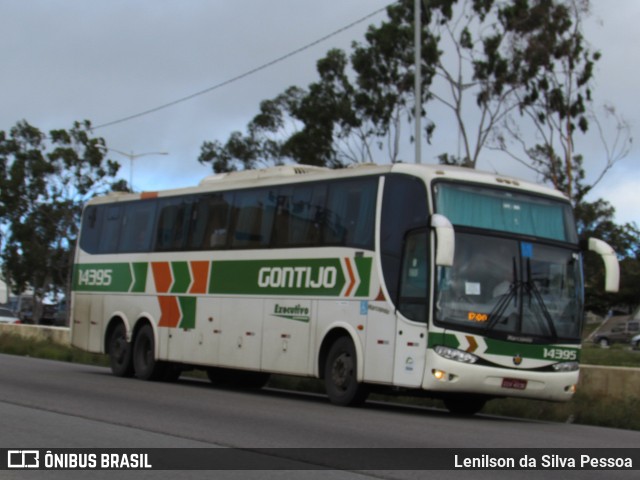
(44, 181)
(617, 355)
(596, 219)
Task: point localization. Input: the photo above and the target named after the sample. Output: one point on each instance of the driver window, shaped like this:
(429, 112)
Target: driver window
(413, 302)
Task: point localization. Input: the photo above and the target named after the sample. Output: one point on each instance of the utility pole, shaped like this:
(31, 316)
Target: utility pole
(418, 77)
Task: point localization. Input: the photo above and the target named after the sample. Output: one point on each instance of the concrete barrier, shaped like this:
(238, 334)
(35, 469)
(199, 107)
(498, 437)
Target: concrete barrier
(618, 383)
(614, 382)
(60, 335)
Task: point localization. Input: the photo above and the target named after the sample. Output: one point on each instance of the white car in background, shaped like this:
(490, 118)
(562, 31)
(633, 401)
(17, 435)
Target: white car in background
(7, 316)
(635, 342)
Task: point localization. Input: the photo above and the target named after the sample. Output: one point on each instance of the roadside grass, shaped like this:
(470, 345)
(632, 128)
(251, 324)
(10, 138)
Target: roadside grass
(617, 355)
(16, 345)
(583, 409)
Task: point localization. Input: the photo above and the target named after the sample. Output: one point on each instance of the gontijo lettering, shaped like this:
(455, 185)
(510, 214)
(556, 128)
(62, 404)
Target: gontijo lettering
(297, 277)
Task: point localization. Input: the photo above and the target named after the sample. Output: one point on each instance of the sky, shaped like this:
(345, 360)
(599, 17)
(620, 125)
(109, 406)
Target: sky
(104, 60)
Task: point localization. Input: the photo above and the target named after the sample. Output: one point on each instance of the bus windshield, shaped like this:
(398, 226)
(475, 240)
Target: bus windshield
(519, 283)
(510, 287)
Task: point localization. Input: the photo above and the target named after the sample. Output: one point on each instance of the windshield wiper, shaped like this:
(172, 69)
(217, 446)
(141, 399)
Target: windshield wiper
(498, 310)
(533, 291)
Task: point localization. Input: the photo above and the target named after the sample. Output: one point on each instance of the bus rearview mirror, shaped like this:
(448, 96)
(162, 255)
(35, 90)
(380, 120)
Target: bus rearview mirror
(611, 266)
(445, 240)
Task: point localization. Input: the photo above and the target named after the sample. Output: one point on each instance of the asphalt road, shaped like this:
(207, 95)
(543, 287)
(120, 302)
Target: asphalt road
(46, 404)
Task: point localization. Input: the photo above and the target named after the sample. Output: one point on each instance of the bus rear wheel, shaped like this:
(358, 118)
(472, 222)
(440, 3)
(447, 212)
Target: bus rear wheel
(145, 365)
(340, 375)
(120, 352)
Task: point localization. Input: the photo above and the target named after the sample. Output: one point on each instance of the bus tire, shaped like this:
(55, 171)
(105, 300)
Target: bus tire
(464, 406)
(340, 375)
(145, 365)
(120, 357)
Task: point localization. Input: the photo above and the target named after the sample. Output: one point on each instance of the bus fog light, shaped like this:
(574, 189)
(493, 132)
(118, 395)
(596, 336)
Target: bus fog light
(571, 389)
(439, 374)
(455, 354)
(566, 366)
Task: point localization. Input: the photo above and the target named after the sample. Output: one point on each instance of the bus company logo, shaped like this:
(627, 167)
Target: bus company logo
(298, 277)
(297, 313)
(23, 459)
(517, 360)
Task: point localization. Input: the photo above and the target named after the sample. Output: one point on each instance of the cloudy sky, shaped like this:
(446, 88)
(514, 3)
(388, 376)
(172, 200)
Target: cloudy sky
(104, 60)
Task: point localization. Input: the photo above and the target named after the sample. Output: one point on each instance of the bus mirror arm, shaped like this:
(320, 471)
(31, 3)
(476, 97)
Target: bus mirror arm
(445, 240)
(611, 266)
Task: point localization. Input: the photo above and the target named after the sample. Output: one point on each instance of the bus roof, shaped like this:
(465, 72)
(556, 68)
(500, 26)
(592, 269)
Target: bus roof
(293, 173)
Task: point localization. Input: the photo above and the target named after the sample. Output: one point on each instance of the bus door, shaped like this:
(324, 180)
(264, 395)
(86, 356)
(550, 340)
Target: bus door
(412, 312)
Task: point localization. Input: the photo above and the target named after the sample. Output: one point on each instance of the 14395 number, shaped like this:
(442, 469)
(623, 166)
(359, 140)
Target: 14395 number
(95, 277)
(560, 354)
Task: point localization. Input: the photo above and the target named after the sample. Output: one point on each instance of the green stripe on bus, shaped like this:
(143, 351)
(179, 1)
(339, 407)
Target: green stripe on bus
(103, 277)
(538, 352)
(181, 277)
(188, 308)
(325, 277)
(508, 349)
(309, 277)
(140, 276)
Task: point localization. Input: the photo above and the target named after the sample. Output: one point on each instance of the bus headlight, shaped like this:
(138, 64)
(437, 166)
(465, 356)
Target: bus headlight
(455, 354)
(566, 366)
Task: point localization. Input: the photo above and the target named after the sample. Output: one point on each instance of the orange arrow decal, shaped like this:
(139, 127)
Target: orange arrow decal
(162, 276)
(170, 316)
(473, 345)
(352, 278)
(200, 274)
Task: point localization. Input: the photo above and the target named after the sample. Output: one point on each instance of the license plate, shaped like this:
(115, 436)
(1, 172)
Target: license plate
(515, 383)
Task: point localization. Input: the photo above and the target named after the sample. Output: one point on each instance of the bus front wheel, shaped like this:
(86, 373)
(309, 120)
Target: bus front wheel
(340, 375)
(465, 406)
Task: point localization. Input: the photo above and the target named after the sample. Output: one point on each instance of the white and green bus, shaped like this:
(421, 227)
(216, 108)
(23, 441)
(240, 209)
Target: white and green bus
(430, 280)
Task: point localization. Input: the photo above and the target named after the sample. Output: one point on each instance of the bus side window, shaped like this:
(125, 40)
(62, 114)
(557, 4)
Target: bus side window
(350, 215)
(210, 221)
(137, 226)
(172, 228)
(305, 215)
(253, 219)
(110, 232)
(91, 223)
(283, 218)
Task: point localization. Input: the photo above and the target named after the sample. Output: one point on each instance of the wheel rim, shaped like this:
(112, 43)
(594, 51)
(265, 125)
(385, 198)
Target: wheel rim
(342, 371)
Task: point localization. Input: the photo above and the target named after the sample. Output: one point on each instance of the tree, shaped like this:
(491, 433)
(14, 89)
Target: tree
(44, 181)
(355, 109)
(553, 94)
(596, 219)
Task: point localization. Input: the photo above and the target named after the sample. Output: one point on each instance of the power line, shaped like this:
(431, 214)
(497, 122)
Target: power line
(242, 75)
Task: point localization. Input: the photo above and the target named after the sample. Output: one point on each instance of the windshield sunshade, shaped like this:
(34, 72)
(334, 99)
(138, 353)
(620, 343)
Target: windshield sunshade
(506, 211)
